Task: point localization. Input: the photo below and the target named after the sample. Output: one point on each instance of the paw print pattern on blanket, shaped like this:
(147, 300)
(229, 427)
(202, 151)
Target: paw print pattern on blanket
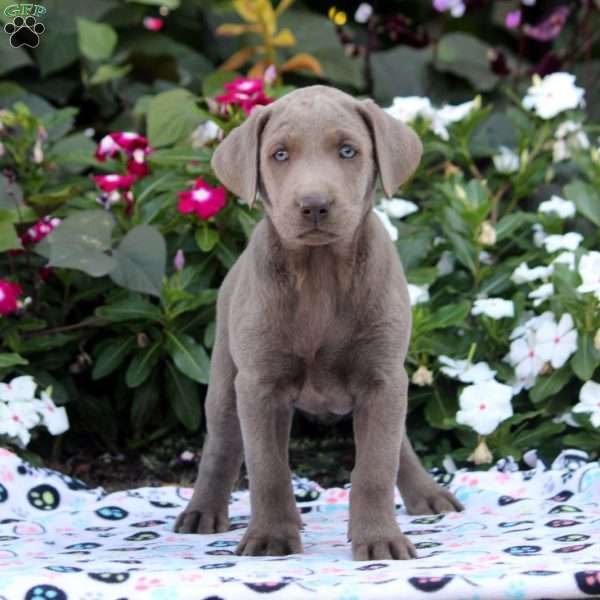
(524, 534)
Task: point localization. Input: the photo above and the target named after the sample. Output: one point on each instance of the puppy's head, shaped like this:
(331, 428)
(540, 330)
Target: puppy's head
(313, 157)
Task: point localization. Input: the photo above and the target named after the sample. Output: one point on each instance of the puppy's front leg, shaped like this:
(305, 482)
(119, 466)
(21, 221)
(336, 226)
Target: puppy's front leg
(264, 419)
(378, 428)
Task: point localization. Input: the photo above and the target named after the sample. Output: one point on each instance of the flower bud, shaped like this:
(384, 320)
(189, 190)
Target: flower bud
(422, 376)
(481, 455)
(179, 260)
(487, 234)
(270, 75)
(597, 340)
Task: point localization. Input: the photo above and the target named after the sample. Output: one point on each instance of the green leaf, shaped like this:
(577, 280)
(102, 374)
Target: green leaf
(11, 359)
(172, 117)
(209, 334)
(144, 404)
(81, 242)
(97, 41)
(465, 251)
(401, 71)
(587, 359)
(184, 398)
(586, 199)
(13, 58)
(133, 308)
(508, 224)
(142, 364)
(111, 354)
(549, 385)
(422, 275)
(106, 73)
(466, 56)
(206, 237)
(189, 356)
(226, 255)
(213, 84)
(141, 260)
(9, 240)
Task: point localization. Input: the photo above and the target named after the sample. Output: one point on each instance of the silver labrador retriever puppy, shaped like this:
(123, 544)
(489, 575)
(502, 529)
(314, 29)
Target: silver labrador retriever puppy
(315, 314)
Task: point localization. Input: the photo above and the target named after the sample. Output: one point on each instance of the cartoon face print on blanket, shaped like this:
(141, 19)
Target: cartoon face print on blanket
(525, 534)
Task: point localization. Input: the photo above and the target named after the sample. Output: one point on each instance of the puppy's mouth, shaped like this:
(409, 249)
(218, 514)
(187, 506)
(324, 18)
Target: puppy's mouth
(316, 236)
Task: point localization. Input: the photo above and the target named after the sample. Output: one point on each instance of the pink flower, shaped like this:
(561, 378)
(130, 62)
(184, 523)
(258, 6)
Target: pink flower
(137, 164)
(121, 141)
(550, 27)
(110, 183)
(153, 23)
(246, 93)
(513, 19)
(456, 7)
(40, 230)
(9, 292)
(202, 199)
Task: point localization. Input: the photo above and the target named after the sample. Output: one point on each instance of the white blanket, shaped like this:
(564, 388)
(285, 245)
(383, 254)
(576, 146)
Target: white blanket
(524, 534)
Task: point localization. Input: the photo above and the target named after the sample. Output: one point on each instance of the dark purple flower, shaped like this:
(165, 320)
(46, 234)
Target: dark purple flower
(550, 63)
(498, 63)
(550, 27)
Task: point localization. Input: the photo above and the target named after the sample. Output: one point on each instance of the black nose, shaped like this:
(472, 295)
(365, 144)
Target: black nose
(314, 209)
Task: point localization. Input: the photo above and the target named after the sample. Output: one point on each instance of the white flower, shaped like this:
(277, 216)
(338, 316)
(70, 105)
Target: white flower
(589, 401)
(566, 417)
(565, 258)
(483, 406)
(523, 274)
(532, 325)
(418, 294)
(485, 258)
(16, 419)
(541, 294)
(205, 133)
(568, 241)
(466, 371)
(556, 342)
(389, 226)
(589, 271)
(409, 108)
(398, 208)
(525, 358)
(422, 376)
(553, 94)
(495, 308)
(53, 417)
(565, 209)
(363, 12)
(20, 389)
(570, 136)
(507, 161)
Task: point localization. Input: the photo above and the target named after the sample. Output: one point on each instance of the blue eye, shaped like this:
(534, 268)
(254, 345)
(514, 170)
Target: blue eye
(281, 155)
(347, 151)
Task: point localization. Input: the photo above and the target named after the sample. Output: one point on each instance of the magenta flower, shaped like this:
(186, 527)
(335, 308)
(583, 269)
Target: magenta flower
(40, 230)
(455, 7)
(153, 23)
(121, 141)
(137, 164)
(513, 19)
(9, 293)
(550, 27)
(246, 93)
(113, 182)
(203, 200)
(107, 148)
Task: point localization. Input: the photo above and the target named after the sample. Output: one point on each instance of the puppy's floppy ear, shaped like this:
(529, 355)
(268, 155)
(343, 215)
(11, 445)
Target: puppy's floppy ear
(397, 147)
(236, 159)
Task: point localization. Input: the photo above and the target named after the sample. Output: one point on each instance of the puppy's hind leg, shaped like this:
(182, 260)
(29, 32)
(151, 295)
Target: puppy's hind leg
(421, 494)
(207, 511)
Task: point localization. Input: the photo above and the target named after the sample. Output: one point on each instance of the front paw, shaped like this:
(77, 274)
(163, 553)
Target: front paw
(272, 540)
(196, 519)
(431, 499)
(392, 545)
